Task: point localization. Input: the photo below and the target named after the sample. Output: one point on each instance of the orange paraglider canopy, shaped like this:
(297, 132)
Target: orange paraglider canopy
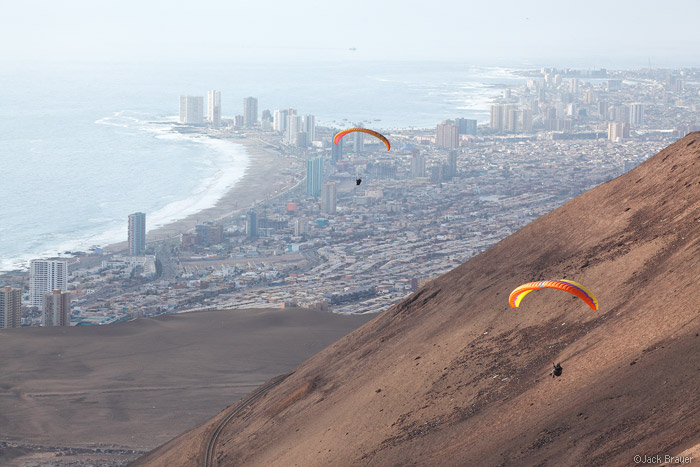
(363, 130)
(566, 285)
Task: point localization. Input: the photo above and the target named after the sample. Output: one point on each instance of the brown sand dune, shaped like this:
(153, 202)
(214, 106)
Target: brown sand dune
(138, 384)
(454, 376)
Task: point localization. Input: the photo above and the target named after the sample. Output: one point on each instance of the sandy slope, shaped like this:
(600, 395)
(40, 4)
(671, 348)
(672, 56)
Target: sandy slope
(454, 376)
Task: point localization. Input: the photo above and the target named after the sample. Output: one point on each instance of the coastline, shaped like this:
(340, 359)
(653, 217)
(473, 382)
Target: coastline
(262, 179)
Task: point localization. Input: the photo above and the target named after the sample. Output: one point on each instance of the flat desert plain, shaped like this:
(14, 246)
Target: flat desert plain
(137, 384)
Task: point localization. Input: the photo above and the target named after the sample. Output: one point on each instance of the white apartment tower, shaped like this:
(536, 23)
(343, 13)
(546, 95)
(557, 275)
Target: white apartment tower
(279, 121)
(310, 128)
(636, 116)
(46, 276)
(299, 227)
(10, 308)
(214, 108)
(56, 309)
(295, 124)
(191, 110)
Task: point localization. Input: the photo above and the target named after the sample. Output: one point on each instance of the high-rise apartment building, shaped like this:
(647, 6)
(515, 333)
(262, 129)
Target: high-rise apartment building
(526, 120)
(447, 135)
(279, 121)
(46, 276)
(359, 142)
(10, 308)
(56, 309)
(214, 108)
(512, 119)
(417, 164)
(499, 114)
(192, 110)
(310, 128)
(250, 111)
(300, 140)
(436, 174)
(137, 233)
(336, 151)
(618, 131)
(453, 164)
(619, 113)
(602, 108)
(251, 224)
(574, 85)
(314, 176)
(466, 126)
(295, 125)
(328, 198)
(209, 234)
(636, 116)
(299, 227)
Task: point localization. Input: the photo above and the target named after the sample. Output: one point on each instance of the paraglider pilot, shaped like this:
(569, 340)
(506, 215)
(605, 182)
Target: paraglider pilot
(556, 371)
(358, 181)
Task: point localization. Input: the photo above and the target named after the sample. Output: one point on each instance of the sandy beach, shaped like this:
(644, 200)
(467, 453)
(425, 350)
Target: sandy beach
(262, 180)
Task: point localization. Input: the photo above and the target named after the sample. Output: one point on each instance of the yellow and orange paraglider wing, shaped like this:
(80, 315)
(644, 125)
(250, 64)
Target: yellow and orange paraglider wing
(517, 295)
(587, 297)
(572, 287)
(339, 135)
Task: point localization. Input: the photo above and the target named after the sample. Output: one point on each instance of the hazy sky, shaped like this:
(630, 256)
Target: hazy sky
(591, 32)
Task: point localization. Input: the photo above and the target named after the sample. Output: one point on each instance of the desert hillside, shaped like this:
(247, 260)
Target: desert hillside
(454, 376)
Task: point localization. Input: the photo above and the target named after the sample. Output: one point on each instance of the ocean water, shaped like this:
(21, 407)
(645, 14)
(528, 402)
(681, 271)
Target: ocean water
(84, 145)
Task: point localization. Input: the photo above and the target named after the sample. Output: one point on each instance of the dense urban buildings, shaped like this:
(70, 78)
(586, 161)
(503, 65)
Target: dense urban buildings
(56, 308)
(46, 276)
(137, 233)
(191, 110)
(10, 308)
(214, 108)
(421, 210)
